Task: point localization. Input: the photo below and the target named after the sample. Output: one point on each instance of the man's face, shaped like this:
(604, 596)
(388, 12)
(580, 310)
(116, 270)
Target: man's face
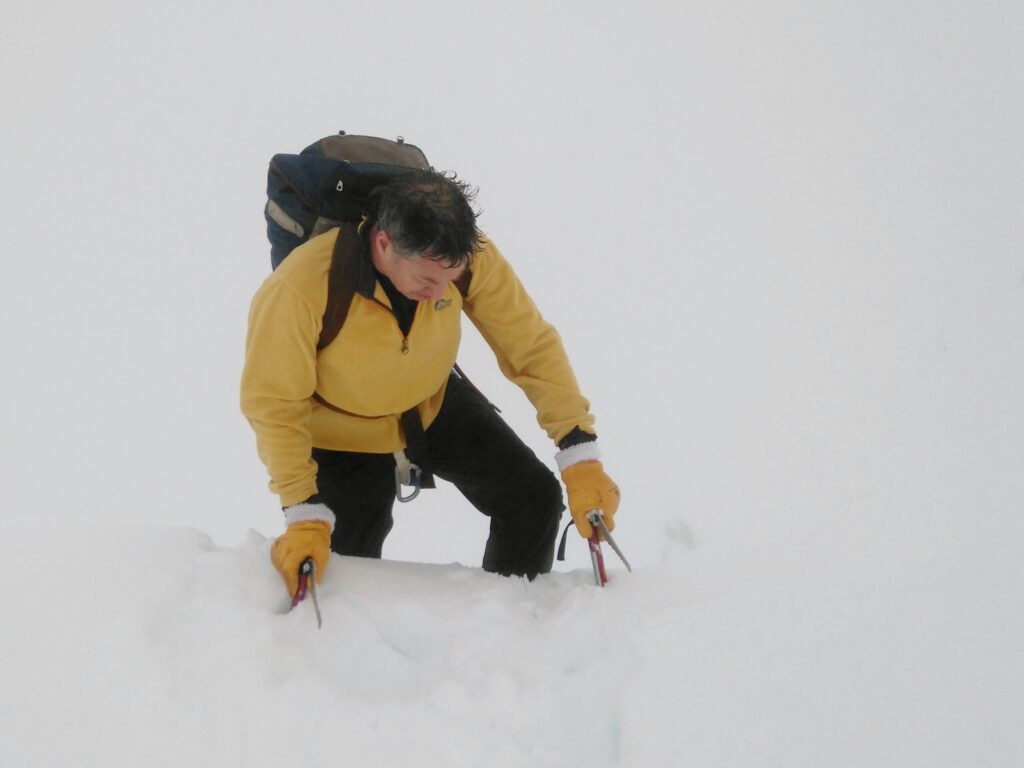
(416, 277)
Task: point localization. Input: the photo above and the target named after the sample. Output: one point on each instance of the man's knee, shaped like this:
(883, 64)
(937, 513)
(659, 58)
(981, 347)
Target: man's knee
(522, 540)
(538, 489)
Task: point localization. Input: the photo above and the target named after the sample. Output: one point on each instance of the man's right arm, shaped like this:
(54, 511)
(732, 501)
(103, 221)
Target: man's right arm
(278, 381)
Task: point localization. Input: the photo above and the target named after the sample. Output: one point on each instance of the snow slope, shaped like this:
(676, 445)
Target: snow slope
(152, 646)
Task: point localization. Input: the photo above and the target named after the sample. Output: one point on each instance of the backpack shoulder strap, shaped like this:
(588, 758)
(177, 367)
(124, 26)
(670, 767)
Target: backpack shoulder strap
(463, 282)
(346, 264)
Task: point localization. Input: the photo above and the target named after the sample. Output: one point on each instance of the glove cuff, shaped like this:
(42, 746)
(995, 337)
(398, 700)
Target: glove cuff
(300, 513)
(577, 453)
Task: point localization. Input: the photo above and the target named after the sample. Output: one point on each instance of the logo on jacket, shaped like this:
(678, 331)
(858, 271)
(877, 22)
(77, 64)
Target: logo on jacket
(442, 304)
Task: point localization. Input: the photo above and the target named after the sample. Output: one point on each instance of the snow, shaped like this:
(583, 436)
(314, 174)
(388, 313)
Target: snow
(782, 243)
(152, 645)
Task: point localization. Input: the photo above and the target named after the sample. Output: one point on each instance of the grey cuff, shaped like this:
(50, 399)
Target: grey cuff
(577, 453)
(300, 513)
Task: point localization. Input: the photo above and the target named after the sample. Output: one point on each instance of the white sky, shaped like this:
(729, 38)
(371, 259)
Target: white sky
(782, 243)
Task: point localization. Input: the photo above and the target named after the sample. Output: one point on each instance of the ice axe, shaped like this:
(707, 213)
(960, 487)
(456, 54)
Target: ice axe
(596, 519)
(307, 582)
(600, 531)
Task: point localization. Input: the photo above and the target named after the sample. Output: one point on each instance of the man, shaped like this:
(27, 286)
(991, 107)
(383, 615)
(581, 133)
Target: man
(332, 423)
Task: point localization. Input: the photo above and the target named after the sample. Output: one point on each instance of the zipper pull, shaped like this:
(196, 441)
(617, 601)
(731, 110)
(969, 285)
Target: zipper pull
(405, 346)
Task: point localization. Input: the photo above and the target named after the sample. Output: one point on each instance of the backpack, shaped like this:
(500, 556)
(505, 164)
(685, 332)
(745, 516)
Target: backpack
(327, 184)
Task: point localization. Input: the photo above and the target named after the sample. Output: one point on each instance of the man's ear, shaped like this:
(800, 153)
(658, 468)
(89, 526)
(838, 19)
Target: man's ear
(381, 238)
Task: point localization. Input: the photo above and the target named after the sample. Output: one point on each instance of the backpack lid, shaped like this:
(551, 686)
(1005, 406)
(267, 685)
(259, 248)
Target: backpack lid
(370, 149)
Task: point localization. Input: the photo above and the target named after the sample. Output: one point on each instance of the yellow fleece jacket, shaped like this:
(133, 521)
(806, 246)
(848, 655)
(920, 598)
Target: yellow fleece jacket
(373, 374)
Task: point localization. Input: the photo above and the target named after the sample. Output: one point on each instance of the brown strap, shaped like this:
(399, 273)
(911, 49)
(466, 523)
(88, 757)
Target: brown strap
(416, 446)
(463, 282)
(346, 261)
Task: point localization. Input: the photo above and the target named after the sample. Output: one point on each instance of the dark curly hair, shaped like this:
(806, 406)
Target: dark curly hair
(429, 212)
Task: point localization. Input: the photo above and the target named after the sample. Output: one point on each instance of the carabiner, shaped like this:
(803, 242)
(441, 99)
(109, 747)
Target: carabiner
(415, 480)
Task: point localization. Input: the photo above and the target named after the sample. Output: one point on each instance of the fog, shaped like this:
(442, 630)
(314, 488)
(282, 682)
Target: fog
(781, 242)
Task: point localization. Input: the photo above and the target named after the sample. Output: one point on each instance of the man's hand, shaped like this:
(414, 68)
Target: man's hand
(302, 540)
(588, 488)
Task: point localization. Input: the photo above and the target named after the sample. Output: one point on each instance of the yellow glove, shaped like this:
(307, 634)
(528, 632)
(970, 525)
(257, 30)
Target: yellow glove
(589, 488)
(308, 538)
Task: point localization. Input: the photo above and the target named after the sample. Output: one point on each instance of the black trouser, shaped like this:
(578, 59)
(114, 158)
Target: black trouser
(473, 448)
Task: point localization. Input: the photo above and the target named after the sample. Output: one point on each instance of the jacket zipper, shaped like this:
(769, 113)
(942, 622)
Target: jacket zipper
(391, 313)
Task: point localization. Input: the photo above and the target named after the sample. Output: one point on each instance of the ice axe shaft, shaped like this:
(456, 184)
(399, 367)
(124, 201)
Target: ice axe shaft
(597, 559)
(307, 583)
